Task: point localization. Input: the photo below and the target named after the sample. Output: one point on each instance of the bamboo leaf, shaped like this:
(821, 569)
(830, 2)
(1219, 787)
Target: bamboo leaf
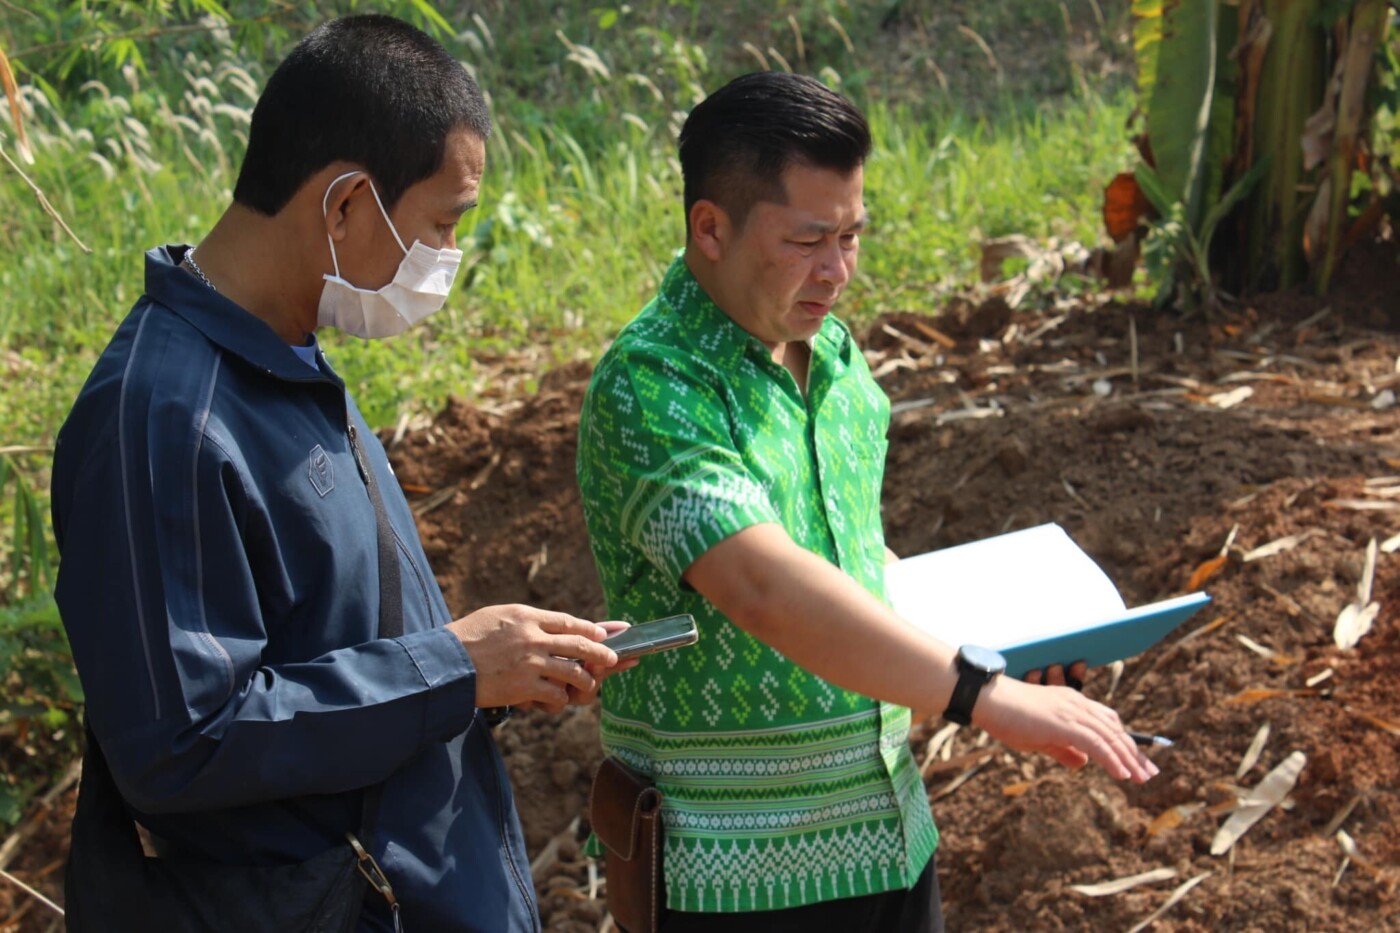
(1251, 755)
(1119, 885)
(1176, 895)
(1268, 794)
(1204, 572)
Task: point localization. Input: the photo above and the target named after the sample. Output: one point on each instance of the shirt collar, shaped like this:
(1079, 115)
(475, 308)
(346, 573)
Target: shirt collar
(224, 323)
(716, 334)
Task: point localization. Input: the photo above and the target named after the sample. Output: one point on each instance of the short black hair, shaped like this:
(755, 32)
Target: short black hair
(369, 89)
(737, 143)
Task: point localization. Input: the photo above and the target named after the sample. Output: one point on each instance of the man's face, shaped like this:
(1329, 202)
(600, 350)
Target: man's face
(428, 211)
(783, 272)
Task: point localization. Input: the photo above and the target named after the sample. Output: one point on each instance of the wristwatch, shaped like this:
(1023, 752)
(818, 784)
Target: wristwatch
(495, 715)
(976, 667)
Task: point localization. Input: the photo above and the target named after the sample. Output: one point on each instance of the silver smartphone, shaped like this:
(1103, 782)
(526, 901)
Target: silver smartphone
(651, 637)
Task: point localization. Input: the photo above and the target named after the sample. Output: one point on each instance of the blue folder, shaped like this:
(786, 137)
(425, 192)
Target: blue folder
(1114, 639)
(1035, 596)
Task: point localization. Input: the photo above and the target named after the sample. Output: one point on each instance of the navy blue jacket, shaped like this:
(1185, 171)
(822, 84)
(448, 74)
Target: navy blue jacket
(219, 585)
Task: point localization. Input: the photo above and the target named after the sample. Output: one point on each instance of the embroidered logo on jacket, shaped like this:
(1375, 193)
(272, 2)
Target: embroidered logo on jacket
(321, 471)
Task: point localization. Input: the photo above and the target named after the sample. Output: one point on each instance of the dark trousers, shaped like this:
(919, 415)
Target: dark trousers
(917, 910)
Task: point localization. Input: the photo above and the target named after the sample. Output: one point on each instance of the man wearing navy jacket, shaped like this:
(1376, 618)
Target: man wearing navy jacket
(221, 551)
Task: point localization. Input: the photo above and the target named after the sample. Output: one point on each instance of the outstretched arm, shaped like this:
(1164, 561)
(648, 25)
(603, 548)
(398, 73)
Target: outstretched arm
(821, 619)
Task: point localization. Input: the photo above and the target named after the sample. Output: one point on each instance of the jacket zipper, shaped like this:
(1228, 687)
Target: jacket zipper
(505, 842)
(355, 450)
(417, 574)
(368, 478)
(495, 764)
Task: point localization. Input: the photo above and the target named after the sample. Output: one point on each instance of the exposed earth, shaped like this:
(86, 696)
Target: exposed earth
(1157, 461)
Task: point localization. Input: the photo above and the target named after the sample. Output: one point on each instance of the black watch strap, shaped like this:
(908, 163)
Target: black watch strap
(495, 715)
(964, 697)
(976, 666)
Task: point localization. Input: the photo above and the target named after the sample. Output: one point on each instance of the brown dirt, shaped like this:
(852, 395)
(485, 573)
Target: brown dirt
(1150, 479)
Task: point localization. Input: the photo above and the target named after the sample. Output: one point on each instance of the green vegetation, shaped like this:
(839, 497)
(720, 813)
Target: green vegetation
(1285, 109)
(995, 118)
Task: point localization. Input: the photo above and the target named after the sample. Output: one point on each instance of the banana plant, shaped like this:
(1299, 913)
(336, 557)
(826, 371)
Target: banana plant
(1256, 114)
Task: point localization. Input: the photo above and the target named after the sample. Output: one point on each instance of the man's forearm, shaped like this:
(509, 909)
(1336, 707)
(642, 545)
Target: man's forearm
(822, 619)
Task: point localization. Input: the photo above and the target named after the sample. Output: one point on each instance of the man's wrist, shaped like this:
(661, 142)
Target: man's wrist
(976, 668)
(495, 715)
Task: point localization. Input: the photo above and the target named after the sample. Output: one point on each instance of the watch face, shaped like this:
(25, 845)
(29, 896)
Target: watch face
(982, 659)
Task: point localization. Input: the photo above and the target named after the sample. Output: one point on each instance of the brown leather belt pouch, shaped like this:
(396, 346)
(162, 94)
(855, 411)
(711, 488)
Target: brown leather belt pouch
(625, 810)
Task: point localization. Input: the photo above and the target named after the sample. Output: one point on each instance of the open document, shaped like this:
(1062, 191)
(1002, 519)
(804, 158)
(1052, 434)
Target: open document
(1033, 595)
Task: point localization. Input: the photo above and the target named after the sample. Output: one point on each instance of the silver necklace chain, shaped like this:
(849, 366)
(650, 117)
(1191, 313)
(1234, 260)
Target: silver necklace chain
(194, 267)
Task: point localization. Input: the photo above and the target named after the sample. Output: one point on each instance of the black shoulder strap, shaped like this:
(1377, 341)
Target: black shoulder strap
(390, 624)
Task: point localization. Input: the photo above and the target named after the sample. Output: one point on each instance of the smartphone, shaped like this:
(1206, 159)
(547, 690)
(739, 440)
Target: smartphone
(651, 637)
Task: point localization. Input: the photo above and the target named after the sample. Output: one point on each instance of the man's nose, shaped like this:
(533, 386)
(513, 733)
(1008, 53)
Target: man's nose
(832, 266)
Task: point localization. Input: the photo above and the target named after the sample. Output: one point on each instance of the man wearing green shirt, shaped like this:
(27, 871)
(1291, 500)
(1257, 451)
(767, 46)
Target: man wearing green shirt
(731, 452)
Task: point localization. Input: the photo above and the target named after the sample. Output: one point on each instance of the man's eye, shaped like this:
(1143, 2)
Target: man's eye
(807, 244)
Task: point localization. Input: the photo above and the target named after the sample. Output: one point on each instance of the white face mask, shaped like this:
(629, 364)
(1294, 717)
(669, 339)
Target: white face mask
(419, 288)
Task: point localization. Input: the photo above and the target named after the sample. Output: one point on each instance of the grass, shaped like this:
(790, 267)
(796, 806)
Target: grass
(580, 205)
(580, 208)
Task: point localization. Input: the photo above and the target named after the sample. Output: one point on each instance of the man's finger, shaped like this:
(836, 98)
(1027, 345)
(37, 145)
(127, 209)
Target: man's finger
(550, 696)
(559, 623)
(579, 648)
(567, 673)
(1111, 746)
(579, 697)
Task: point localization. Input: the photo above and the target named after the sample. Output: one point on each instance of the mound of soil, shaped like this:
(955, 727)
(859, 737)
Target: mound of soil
(1143, 457)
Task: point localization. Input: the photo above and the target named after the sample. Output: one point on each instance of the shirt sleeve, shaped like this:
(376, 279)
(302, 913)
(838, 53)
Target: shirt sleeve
(660, 463)
(170, 636)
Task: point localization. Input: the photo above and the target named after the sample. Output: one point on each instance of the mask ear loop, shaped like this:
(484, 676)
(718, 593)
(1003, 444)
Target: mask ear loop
(325, 212)
(397, 238)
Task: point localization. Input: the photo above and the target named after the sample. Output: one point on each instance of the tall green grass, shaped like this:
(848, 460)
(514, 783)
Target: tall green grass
(581, 201)
(580, 206)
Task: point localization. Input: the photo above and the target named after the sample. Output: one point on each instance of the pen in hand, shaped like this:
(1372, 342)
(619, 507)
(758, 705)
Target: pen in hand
(1156, 741)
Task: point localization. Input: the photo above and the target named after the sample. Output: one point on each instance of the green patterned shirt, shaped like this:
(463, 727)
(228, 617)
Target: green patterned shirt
(780, 789)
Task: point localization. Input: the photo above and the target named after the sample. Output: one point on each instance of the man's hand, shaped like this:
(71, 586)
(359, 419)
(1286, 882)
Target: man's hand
(579, 697)
(1061, 723)
(529, 657)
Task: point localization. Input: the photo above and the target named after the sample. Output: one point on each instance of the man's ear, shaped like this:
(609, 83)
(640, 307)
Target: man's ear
(710, 229)
(340, 200)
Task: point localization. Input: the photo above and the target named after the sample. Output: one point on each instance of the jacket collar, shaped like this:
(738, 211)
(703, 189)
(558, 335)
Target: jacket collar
(224, 323)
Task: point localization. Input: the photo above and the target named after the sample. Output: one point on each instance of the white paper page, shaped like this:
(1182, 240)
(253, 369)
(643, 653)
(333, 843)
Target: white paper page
(1000, 592)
